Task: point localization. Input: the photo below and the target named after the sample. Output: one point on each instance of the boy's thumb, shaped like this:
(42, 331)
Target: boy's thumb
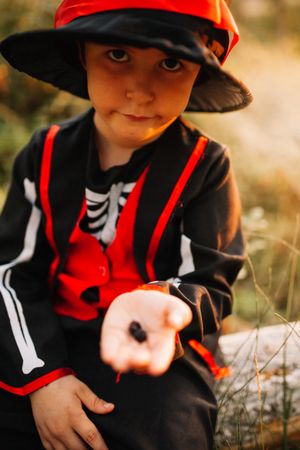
(93, 402)
(180, 315)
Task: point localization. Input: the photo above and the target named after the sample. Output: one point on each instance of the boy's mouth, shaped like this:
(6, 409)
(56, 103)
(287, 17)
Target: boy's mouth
(135, 118)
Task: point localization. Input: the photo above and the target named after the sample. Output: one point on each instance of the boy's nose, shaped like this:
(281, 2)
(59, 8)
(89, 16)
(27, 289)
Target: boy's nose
(140, 93)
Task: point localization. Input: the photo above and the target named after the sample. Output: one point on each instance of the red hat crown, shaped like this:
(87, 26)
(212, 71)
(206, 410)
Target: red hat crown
(216, 11)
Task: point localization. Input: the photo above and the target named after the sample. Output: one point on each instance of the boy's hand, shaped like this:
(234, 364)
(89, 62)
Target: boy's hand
(160, 316)
(61, 422)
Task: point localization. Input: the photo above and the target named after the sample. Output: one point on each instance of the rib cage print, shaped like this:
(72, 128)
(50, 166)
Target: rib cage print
(104, 209)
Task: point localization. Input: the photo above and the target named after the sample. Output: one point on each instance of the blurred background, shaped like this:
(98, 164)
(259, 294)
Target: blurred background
(264, 140)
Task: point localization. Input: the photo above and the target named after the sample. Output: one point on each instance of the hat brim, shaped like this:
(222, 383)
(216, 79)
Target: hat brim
(52, 55)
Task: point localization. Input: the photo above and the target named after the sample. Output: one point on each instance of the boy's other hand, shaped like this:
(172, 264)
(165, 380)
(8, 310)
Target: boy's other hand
(61, 422)
(160, 316)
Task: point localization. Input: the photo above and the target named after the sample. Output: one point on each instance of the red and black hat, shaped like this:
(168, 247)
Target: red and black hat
(202, 31)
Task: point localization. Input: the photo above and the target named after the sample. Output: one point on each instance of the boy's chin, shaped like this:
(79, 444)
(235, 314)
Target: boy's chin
(139, 138)
(147, 139)
(134, 142)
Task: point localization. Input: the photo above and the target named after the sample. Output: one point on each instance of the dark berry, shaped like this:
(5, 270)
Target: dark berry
(137, 331)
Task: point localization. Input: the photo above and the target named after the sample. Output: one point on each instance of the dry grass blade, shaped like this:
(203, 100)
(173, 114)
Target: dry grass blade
(271, 436)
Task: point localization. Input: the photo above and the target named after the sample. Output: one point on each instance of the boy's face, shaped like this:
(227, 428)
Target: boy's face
(136, 93)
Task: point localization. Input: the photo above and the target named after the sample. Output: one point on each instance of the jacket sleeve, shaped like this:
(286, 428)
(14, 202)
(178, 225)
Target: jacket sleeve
(32, 347)
(211, 247)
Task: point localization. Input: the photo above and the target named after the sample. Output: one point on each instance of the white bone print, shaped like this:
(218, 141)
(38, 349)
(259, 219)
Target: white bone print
(103, 210)
(187, 264)
(12, 303)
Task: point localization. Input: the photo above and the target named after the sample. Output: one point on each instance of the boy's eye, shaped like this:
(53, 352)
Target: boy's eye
(170, 64)
(118, 55)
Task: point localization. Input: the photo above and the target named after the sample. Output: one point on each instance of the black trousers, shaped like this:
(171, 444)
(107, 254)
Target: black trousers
(175, 411)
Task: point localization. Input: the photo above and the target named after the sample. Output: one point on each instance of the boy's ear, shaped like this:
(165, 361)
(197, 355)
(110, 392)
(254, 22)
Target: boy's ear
(81, 53)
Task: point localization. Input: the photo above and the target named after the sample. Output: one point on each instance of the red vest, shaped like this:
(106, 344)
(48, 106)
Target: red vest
(114, 270)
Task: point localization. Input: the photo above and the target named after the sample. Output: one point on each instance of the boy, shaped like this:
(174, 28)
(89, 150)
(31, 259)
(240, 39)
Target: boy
(127, 224)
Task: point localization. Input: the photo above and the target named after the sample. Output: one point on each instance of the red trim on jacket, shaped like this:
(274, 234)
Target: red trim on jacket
(44, 192)
(154, 287)
(165, 216)
(217, 371)
(38, 383)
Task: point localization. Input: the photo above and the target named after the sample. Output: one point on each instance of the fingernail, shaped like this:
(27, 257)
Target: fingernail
(108, 405)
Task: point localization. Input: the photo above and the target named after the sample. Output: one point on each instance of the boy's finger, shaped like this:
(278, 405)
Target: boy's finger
(140, 360)
(72, 440)
(46, 444)
(92, 401)
(109, 348)
(122, 361)
(179, 315)
(89, 434)
(58, 445)
(162, 356)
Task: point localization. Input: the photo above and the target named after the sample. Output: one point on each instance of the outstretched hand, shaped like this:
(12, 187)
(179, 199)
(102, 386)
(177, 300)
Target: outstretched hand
(160, 316)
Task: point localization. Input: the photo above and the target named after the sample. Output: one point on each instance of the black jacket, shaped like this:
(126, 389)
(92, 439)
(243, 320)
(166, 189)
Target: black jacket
(206, 220)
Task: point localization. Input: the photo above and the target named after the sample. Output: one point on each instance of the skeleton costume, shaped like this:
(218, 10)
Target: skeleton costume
(73, 237)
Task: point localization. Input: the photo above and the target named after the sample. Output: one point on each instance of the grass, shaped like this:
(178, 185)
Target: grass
(237, 396)
(244, 420)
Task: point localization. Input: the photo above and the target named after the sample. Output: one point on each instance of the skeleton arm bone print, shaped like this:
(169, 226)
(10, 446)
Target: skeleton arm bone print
(12, 303)
(32, 345)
